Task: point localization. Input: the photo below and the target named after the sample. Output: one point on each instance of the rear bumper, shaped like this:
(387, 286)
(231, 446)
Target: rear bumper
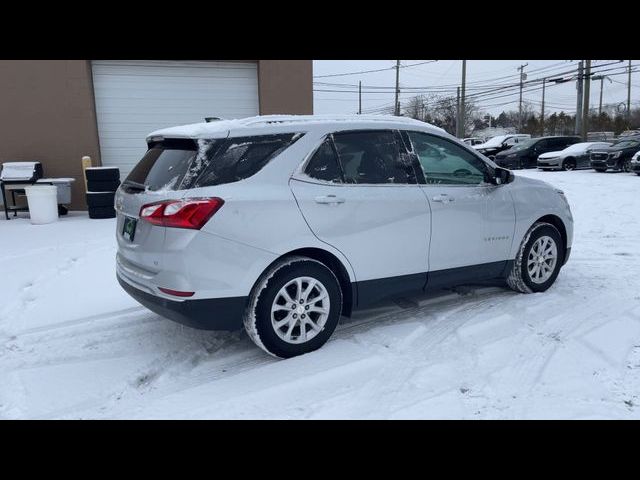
(206, 314)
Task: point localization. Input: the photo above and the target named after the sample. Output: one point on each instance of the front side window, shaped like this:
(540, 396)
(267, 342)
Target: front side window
(444, 162)
(374, 157)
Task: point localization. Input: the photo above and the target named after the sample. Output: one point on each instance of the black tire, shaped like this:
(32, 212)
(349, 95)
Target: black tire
(519, 278)
(109, 186)
(569, 164)
(638, 173)
(625, 166)
(62, 210)
(257, 319)
(102, 174)
(100, 199)
(601, 170)
(102, 212)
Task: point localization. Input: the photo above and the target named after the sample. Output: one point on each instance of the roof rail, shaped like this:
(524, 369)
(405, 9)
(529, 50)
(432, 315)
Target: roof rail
(326, 118)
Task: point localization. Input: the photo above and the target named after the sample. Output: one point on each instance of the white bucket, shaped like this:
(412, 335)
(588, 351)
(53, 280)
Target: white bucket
(43, 204)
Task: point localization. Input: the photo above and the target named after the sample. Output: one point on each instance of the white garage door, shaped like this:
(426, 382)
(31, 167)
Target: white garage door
(134, 98)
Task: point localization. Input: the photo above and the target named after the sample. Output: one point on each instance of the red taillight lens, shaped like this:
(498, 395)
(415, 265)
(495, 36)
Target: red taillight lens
(176, 293)
(191, 213)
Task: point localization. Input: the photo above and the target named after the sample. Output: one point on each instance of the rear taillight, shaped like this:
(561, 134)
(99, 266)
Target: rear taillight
(191, 213)
(176, 293)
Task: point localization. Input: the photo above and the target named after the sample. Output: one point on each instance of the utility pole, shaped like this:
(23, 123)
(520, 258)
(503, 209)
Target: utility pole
(462, 99)
(360, 97)
(578, 129)
(458, 112)
(600, 104)
(601, 78)
(397, 108)
(585, 109)
(629, 97)
(522, 77)
(544, 81)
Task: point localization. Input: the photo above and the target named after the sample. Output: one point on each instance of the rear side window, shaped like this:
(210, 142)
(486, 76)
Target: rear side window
(562, 142)
(240, 158)
(374, 157)
(176, 164)
(324, 164)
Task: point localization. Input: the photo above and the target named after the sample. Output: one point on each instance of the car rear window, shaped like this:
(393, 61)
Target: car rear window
(177, 164)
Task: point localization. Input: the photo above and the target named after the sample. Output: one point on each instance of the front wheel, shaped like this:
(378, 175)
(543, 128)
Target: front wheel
(539, 259)
(569, 164)
(626, 166)
(600, 170)
(294, 307)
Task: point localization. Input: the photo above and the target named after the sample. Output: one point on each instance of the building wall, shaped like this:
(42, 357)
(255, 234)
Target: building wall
(47, 111)
(285, 86)
(47, 115)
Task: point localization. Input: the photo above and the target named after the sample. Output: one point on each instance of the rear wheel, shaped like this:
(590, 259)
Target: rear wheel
(601, 170)
(539, 259)
(569, 164)
(294, 308)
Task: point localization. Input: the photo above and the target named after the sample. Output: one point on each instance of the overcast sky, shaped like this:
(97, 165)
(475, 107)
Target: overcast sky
(444, 76)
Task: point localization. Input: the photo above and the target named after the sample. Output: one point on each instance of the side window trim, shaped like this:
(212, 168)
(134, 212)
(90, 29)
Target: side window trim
(335, 152)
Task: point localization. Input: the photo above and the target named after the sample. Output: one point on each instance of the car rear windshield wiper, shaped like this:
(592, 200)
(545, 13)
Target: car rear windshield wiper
(134, 185)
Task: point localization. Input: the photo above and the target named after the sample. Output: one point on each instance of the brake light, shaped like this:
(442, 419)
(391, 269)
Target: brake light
(191, 213)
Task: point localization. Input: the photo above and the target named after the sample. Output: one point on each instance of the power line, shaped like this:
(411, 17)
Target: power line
(372, 71)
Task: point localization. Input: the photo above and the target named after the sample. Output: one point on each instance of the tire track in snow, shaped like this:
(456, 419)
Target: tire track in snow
(181, 370)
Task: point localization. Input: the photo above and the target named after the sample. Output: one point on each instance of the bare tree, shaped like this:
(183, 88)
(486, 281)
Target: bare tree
(442, 111)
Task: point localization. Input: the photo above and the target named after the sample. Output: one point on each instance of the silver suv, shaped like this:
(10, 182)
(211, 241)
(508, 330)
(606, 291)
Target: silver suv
(284, 223)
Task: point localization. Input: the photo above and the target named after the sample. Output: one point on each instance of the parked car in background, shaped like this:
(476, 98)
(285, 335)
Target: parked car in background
(572, 157)
(526, 153)
(497, 144)
(471, 141)
(601, 136)
(634, 166)
(629, 133)
(617, 156)
(282, 224)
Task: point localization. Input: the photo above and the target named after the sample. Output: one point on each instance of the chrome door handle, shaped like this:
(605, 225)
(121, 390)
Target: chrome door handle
(329, 199)
(444, 198)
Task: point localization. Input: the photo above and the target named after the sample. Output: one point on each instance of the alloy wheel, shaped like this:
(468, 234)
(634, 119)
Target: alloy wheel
(300, 310)
(542, 259)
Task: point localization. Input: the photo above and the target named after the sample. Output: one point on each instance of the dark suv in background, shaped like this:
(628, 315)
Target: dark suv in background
(617, 156)
(525, 154)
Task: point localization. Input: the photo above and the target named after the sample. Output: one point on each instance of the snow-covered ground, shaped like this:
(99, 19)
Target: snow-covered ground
(74, 345)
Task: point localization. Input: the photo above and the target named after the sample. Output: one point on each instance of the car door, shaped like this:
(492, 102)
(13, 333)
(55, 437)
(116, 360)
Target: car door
(472, 220)
(359, 193)
(531, 157)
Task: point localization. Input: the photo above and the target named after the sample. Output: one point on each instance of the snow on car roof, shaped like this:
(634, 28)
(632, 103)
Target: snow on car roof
(282, 123)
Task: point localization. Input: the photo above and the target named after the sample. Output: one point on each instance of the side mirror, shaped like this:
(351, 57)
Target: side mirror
(502, 176)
